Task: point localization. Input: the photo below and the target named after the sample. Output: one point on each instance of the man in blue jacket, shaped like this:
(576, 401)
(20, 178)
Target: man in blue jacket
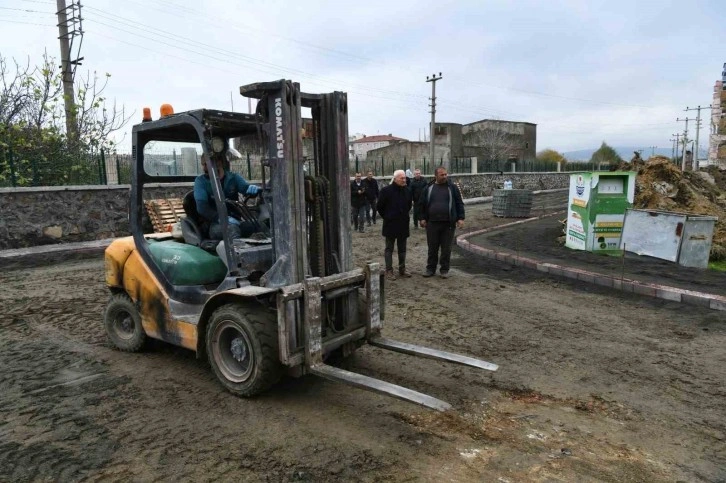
(232, 185)
(441, 212)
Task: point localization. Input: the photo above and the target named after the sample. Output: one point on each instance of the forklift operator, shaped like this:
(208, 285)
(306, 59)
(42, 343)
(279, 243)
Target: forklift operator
(232, 185)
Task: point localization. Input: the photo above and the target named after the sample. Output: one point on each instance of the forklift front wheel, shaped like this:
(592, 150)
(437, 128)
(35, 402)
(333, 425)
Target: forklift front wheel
(243, 350)
(123, 323)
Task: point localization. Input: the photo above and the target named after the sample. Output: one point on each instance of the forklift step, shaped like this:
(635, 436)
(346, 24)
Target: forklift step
(429, 353)
(376, 385)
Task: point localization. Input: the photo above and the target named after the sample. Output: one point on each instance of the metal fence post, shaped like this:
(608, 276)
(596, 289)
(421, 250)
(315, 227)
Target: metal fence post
(356, 164)
(34, 166)
(100, 168)
(13, 181)
(249, 167)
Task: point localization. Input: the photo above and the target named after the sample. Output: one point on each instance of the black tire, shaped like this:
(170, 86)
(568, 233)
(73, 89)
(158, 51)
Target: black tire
(123, 323)
(242, 348)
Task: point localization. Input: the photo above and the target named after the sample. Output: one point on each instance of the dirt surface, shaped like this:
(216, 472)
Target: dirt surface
(594, 385)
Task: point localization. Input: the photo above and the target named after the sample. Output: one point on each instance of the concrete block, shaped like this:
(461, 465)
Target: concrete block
(642, 289)
(586, 277)
(698, 300)
(603, 280)
(668, 295)
(718, 304)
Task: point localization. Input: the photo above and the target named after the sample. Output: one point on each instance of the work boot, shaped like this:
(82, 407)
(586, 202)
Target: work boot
(390, 275)
(369, 223)
(428, 273)
(403, 273)
(444, 274)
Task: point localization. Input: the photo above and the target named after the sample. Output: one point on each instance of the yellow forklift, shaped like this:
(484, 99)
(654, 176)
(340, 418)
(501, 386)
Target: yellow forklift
(281, 301)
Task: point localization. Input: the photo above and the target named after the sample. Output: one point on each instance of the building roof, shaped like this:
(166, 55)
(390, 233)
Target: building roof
(377, 139)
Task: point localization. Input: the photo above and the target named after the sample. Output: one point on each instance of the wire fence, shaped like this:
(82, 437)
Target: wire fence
(32, 168)
(35, 167)
(386, 167)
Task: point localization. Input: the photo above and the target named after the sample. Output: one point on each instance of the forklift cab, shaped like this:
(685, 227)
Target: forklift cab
(190, 270)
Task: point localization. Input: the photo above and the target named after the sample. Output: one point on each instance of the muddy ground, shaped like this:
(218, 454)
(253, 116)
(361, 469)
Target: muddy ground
(594, 385)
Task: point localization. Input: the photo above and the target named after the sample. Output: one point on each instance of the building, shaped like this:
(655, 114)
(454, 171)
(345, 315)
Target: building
(487, 139)
(360, 147)
(717, 139)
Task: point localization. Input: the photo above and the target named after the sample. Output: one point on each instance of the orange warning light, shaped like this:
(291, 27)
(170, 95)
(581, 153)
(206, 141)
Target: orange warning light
(166, 110)
(147, 115)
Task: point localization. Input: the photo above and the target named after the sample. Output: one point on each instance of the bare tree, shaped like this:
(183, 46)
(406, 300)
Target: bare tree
(97, 120)
(14, 96)
(45, 90)
(497, 142)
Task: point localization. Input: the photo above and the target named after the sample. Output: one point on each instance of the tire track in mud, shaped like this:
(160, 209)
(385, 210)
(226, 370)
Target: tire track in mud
(46, 392)
(134, 417)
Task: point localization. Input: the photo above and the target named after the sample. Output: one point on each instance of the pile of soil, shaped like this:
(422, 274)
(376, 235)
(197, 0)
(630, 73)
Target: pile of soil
(661, 185)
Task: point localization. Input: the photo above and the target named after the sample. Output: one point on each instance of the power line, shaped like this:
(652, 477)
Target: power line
(176, 38)
(199, 14)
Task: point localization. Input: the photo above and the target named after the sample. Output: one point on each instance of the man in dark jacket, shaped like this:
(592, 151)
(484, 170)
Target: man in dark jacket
(358, 201)
(442, 211)
(418, 185)
(394, 203)
(372, 197)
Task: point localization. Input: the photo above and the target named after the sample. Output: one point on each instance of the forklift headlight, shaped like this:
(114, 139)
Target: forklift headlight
(218, 144)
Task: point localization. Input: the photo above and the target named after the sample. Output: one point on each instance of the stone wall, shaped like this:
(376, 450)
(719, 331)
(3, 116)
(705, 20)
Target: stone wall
(41, 216)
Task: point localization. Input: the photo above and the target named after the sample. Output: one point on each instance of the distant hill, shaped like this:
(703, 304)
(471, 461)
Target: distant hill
(625, 152)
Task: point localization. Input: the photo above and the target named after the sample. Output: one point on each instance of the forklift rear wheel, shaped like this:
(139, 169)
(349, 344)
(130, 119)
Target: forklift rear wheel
(243, 350)
(123, 323)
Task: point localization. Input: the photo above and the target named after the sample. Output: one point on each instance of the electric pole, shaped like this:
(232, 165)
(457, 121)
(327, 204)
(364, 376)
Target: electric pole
(433, 80)
(68, 65)
(684, 141)
(675, 147)
(652, 150)
(698, 130)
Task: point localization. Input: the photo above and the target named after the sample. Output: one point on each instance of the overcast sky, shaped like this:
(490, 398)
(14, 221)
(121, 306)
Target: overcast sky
(583, 71)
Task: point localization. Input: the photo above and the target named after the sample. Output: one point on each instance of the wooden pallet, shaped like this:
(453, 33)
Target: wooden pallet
(164, 213)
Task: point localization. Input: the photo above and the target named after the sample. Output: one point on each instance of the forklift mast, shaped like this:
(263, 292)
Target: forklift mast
(327, 249)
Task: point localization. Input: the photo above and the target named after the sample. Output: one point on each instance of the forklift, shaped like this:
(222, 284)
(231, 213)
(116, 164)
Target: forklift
(280, 302)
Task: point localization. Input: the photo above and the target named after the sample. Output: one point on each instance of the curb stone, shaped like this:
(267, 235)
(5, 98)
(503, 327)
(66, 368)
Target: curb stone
(665, 292)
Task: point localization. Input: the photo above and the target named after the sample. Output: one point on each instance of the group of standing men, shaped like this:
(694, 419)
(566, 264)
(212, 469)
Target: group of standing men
(437, 207)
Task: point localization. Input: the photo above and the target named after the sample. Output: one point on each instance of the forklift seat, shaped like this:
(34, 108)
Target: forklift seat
(195, 230)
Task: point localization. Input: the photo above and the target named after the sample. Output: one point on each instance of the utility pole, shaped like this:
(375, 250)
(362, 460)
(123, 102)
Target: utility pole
(698, 130)
(68, 65)
(433, 80)
(674, 152)
(685, 142)
(652, 150)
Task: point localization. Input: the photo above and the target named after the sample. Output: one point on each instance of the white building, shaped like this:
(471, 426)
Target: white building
(360, 147)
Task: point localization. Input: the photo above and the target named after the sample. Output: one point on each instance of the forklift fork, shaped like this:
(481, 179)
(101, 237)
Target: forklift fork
(312, 295)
